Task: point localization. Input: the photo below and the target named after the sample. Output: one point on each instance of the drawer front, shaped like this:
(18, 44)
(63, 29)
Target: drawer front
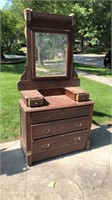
(59, 114)
(82, 97)
(59, 127)
(52, 146)
(35, 102)
(46, 144)
(73, 138)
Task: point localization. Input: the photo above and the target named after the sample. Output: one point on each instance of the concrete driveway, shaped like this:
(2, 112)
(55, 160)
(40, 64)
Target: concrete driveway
(82, 175)
(89, 59)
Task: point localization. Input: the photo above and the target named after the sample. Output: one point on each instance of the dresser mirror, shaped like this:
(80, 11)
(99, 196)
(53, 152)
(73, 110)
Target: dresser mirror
(50, 41)
(50, 54)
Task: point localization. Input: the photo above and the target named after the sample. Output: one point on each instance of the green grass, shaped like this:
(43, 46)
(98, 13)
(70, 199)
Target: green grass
(9, 120)
(101, 94)
(54, 67)
(94, 70)
(9, 95)
(50, 71)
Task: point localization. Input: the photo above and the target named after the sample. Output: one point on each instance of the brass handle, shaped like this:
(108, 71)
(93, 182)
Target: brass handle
(47, 117)
(45, 146)
(77, 138)
(78, 124)
(46, 130)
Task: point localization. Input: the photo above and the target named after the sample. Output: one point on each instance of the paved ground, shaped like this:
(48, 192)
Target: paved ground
(14, 56)
(92, 60)
(89, 59)
(85, 175)
(100, 79)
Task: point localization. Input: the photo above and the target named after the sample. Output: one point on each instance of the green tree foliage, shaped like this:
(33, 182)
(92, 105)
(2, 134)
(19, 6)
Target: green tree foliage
(93, 19)
(11, 32)
(98, 20)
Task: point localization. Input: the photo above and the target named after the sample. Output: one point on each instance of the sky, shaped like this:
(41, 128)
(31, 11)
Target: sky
(3, 2)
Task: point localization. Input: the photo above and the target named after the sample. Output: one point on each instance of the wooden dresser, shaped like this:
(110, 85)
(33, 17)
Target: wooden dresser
(55, 113)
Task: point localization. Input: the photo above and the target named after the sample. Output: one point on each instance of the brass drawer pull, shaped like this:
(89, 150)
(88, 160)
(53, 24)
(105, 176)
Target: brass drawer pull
(77, 138)
(45, 146)
(36, 103)
(78, 124)
(47, 117)
(46, 130)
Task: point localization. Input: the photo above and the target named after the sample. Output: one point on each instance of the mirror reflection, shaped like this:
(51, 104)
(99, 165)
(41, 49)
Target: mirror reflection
(50, 54)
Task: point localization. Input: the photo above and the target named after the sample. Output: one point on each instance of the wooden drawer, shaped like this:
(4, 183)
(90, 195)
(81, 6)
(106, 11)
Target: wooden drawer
(58, 127)
(82, 97)
(59, 114)
(48, 147)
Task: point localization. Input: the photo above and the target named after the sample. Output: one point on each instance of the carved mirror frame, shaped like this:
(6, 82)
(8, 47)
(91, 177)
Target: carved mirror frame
(48, 23)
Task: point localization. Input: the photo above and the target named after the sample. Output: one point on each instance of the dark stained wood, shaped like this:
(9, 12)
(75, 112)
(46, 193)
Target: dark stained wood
(58, 114)
(77, 94)
(54, 105)
(50, 147)
(47, 23)
(58, 151)
(53, 17)
(25, 129)
(32, 98)
(82, 97)
(63, 140)
(51, 21)
(75, 90)
(52, 92)
(55, 113)
(59, 127)
(47, 83)
(88, 145)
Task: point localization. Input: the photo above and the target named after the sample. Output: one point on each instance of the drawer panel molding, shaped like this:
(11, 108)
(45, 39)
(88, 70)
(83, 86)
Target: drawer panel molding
(50, 147)
(60, 114)
(59, 127)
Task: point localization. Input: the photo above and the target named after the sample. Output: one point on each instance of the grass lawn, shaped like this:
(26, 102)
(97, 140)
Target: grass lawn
(9, 120)
(101, 94)
(94, 70)
(55, 67)
(9, 95)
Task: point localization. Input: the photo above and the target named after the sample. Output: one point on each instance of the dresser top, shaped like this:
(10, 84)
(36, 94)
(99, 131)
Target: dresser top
(55, 102)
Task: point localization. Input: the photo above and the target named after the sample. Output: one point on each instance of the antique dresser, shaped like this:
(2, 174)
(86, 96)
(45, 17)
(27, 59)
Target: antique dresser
(55, 113)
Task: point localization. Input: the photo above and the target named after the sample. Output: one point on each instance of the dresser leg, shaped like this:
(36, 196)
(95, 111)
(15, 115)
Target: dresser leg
(29, 160)
(88, 145)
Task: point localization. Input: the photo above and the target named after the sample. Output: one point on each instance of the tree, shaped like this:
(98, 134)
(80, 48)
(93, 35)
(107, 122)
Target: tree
(11, 33)
(93, 19)
(101, 21)
(39, 49)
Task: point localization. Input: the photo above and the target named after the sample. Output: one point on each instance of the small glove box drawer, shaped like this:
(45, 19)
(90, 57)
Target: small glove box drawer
(77, 94)
(35, 102)
(32, 98)
(82, 97)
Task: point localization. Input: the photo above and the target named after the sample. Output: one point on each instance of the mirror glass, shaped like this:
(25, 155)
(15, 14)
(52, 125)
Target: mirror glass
(50, 54)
